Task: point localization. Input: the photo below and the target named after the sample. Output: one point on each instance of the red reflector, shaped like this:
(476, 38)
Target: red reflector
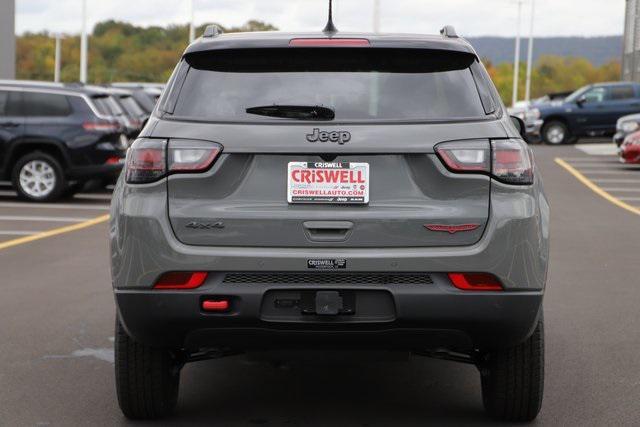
(218, 305)
(181, 280)
(329, 43)
(475, 281)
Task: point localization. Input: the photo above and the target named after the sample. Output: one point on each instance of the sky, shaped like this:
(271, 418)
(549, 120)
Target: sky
(470, 17)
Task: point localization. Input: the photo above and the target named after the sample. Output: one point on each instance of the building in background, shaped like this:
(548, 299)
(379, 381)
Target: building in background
(7, 39)
(631, 51)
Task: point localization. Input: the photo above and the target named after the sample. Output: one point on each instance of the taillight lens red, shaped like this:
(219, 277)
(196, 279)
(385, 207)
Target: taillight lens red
(181, 280)
(101, 126)
(475, 281)
(147, 159)
(329, 42)
(512, 161)
(509, 161)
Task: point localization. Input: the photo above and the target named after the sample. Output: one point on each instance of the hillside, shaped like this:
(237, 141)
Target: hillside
(598, 50)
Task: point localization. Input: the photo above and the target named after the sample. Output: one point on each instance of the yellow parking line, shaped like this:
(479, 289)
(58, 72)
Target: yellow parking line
(599, 191)
(54, 232)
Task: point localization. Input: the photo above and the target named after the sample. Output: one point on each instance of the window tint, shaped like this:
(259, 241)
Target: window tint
(357, 85)
(102, 105)
(45, 105)
(597, 94)
(4, 98)
(617, 93)
(131, 106)
(9, 103)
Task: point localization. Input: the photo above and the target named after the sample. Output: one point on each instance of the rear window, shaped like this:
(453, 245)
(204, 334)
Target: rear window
(358, 84)
(45, 105)
(107, 106)
(102, 105)
(131, 106)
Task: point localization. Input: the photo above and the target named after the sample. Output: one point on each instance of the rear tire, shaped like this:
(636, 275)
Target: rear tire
(556, 133)
(38, 177)
(513, 380)
(147, 379)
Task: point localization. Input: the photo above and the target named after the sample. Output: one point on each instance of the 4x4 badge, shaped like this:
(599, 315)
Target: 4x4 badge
(205, 225)
(341, 137)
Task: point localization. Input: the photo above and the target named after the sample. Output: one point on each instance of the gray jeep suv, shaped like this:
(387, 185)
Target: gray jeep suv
(329, 192)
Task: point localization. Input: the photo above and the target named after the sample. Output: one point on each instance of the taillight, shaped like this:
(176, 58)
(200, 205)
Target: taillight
(192, 156)
(465, 156)
(475, 281)
(101, 126)
(148, 160)
(509, 161)
(181, 280)
(512, 161)
(329, 42)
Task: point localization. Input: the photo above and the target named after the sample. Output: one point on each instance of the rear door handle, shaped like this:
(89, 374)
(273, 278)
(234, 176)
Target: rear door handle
(9, 125)
(328, 231)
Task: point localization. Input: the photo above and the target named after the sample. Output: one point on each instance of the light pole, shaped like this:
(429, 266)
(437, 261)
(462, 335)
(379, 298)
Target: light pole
(58, 59)
(516, 60)
(83, 44)
(527, 95)
(192, 27)
(376, 16)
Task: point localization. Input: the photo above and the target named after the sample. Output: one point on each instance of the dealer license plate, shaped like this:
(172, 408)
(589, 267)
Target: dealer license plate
(326, 182)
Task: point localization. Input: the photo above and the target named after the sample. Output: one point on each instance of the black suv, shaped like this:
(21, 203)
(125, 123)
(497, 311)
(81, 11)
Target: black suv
(54, 138)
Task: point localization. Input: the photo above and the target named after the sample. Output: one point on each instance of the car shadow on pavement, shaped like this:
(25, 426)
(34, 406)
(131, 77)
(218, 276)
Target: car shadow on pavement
(234, 391)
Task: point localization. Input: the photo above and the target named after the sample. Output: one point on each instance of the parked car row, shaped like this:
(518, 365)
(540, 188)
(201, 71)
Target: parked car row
(54, 138)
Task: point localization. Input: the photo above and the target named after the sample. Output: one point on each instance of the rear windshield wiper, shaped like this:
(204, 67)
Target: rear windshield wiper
(298, 112)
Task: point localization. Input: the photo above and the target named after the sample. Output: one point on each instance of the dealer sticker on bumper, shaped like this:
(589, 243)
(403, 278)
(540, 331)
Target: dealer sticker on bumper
(325, 182)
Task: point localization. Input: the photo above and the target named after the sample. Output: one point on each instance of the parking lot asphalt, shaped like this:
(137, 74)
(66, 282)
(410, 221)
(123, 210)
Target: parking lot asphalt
(57, 317)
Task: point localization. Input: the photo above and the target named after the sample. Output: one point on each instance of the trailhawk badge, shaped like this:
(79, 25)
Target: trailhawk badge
(341, 137)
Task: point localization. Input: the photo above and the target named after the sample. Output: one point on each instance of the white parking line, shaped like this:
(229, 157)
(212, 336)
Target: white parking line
(605, 149)
(17, 233)
(77, 196)
(41, 218)
(627, 190)
(93, 196)
(599, 172)
(595, 164)
(586, 158)
(614, 180)
(54, 206)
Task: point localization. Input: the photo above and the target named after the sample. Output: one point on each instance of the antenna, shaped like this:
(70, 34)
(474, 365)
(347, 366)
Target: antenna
(330, 29)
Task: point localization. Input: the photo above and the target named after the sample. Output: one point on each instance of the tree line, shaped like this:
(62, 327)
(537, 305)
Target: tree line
(120, 51)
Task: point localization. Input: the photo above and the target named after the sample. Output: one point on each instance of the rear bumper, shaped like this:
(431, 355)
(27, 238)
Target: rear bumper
(424, 317)
(534, 127)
